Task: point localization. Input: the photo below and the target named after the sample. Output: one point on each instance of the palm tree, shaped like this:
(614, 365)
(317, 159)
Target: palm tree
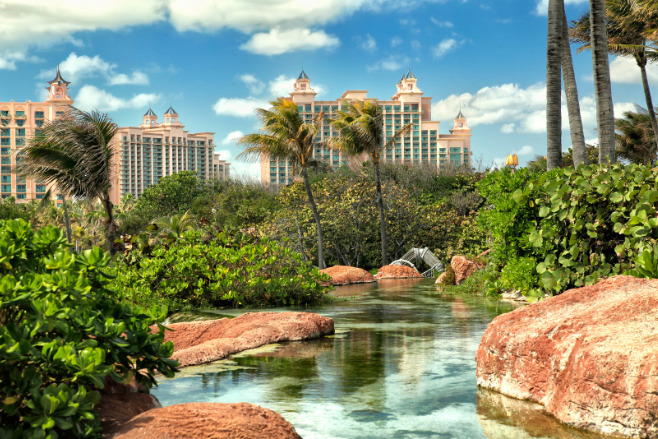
(630, 27)
(636, 141)
(578, 146)
(75, 154)
(286, 136)
(360, 125)
(554, 51)
(176, 224)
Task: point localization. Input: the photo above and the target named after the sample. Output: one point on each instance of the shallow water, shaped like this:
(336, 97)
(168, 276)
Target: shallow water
(401, 365)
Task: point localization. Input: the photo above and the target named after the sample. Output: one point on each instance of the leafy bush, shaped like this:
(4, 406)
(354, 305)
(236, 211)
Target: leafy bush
(62, 333)
(208, 268)
(568, 228)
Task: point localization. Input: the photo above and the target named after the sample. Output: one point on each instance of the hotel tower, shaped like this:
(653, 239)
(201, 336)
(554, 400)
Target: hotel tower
(422, 146)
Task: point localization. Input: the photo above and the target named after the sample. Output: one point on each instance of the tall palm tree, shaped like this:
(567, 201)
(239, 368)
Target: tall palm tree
(286, 136)
(75, 154)
(636, 141)
(554, 51)
(360, 125)
(630, 27)
(578, 146)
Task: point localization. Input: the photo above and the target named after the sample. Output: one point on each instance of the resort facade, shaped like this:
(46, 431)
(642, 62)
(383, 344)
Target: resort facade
(153, 150)
(143, 154)
(423, 146)
(19, 121)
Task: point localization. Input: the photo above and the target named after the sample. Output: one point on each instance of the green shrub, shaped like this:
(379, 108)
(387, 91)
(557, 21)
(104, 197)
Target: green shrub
(205, 268)
(62, 334)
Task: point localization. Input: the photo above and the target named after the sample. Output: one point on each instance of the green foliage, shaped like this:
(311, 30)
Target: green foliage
(568, 228)
(62, 333)
(210, 268)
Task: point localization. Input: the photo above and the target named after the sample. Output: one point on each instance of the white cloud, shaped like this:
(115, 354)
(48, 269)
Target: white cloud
(93, 98)
(508, 128)
(76, 68)
(277, 41)
(368, 43)
(445, 46)
(396, 41)
(517, 109)
(525, 150)
(446, 24)
(230, 139)
(626, 70)
(391, 63)
(239, 107)
(43, 22)
(542, 5)
(254, 84)
(8, 59)
(137, 78)
(282, 85)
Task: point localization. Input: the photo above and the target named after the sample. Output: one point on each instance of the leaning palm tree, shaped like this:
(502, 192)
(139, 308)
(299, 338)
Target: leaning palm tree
(286, 136)
(360, 125)
(75, 153)
(630, 29)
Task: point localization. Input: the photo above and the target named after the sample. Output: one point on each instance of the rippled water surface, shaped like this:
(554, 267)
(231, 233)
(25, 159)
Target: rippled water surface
(401, 365)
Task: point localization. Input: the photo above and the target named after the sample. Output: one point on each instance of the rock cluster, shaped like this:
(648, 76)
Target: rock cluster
(127, 412)
(345, 275)
(589, 356)
(463, 269)
(397, 272)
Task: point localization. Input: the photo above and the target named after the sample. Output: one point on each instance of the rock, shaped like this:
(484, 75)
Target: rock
(344, 275)
(208, 421)
(463, 268)
(397, 272)
(121, 402)
(204, 341)
(513, 296)
(589, 356)
(442, 278)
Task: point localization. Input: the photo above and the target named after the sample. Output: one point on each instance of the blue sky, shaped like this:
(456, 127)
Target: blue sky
(215, 61)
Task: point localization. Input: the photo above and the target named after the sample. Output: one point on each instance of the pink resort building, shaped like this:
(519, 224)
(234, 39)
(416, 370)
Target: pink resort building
(18, 122)
(423, 146)
(155, 149)
(143, 156)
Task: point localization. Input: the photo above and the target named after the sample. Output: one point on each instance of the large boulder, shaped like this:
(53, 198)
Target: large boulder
(209, 421)
(397, 272)
(463, 268)
(345, 275)
(204, 341)
(589, 356)
(121, 402)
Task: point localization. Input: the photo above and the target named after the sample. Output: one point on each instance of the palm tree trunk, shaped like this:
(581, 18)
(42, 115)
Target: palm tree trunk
(382, 218)
(642, 63)
(554, 85)
(316, 215)
(67, 219)
(110, 225)
(605, 118)
(578, 146)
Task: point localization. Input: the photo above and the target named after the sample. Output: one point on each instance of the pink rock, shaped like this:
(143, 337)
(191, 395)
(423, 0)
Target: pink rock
(344, 275)
(207, 421)
(441, 279)
(397, 272)
(204, 341)
(463, 268)
(589, 356)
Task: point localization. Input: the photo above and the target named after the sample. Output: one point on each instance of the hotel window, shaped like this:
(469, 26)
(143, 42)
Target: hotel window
(21, 188)
(6, 188)
(59, 113)
(5, 179)
(38, 114)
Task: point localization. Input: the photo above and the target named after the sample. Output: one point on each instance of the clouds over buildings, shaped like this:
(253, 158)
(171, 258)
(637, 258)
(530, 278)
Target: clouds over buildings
(92, 98)
(76, 68)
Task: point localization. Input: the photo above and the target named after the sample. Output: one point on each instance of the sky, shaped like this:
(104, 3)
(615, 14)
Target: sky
(215, 61)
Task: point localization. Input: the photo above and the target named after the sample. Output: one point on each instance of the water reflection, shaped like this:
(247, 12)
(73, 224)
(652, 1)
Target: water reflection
(401, 365)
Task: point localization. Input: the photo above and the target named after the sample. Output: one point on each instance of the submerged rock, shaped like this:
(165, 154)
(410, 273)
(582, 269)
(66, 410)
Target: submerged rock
(589, 356)
(208, 421)
(397, 272)
(204, 341)
(344, 275)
